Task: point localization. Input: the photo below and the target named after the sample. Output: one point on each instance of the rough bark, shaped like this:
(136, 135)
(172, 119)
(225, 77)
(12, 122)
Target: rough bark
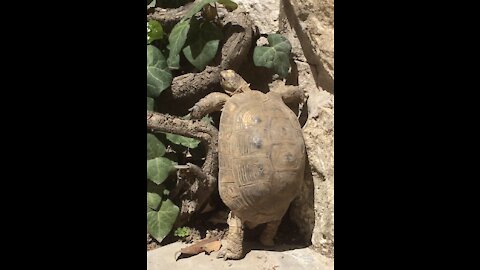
(169, 17)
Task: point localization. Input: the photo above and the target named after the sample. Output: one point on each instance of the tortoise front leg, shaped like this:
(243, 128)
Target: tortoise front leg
(210, 103)
(289, 93)
(233, 247)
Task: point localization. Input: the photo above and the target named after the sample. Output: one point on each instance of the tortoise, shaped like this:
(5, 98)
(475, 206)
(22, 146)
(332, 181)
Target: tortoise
(261, 156)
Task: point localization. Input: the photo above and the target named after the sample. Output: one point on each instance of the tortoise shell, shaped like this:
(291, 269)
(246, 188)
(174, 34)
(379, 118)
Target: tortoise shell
(261, 156)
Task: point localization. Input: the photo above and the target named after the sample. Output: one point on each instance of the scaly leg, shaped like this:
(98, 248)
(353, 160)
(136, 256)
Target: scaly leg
(266, 238)
(289, 93)
(210, 103)
(233, 247)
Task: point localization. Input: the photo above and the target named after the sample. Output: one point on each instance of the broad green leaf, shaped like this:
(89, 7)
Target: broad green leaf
(178, 36)
(281, 64)
(153, 200)
(228, 4)
(196, 8)
(279, 42)
(160, 223)
(275, 55)
(159, 76)
(177, 39)
(155, 147)
(181, 140)
(204, 45)
(174, 61)
(154, 31)
(150, 103)
(263, 56)
(158, 169)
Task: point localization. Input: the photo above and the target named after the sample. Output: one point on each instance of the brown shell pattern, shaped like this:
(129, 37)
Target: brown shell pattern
(261, 156)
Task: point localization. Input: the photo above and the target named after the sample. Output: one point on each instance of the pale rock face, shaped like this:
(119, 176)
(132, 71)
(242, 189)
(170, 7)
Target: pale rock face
(308, 25)
(318, 23)
(264, 13)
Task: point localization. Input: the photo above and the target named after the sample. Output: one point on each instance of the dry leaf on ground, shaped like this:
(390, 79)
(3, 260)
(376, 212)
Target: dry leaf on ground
(207, 245)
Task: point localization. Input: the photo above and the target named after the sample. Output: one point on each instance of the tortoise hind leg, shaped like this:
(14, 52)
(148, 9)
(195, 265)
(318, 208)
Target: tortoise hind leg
(266, 238)
(210, 103)
(233, 247)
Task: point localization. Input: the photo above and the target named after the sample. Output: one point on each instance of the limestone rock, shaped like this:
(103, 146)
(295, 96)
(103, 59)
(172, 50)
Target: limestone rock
(264, 13)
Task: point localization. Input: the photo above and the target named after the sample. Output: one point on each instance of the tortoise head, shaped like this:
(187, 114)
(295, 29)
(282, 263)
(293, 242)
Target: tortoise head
(233, 83)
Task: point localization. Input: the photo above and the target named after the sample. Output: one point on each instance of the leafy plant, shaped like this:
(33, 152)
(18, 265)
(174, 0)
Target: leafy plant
(150, 104)
(182, 232)
(154, 31)
(159, 76)
(160, 222)
(201, 47)
(275, 55)
(198, 39)
(161, 212)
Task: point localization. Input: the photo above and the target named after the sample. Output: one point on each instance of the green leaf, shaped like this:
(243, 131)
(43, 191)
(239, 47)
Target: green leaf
(275, 56)
(181, 140)
(157, 189)
(159, 76)
(158, 169)
(160, 223)
(154, 31)
(196, 8)
(228, 4)
(177, 39)
(154, 200)
(263, 56)
(155, 147)
(182, 232)
(150, 103)
(203, 47)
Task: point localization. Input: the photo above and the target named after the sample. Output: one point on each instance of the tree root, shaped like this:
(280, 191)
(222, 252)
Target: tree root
(169, 17)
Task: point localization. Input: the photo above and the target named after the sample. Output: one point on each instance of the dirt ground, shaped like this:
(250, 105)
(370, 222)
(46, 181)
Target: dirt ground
(280, 257)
